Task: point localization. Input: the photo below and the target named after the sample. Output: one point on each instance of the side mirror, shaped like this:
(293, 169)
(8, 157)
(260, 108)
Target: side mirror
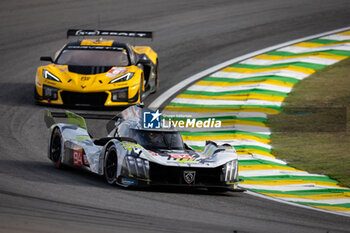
(46, 59)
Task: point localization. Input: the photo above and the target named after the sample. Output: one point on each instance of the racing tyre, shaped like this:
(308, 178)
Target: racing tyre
(111, 165)
(56, 148)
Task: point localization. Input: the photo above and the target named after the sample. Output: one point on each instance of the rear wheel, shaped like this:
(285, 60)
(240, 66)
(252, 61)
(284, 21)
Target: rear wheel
(111, 165)
(56, 148)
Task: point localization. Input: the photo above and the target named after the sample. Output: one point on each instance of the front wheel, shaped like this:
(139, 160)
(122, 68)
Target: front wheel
(56, 148)
(111, 165)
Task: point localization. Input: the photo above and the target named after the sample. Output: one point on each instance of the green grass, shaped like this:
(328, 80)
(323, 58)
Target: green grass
(313, 131)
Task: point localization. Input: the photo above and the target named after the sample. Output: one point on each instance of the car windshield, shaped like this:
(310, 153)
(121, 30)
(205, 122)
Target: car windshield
(84, 57)
(158, 139)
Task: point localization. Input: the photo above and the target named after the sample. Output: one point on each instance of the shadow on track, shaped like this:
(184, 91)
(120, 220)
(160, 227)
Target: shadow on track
(22, 94)
(17, 94)
(46, 172)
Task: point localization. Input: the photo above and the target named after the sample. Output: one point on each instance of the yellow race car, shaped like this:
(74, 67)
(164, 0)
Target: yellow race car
(98, 72)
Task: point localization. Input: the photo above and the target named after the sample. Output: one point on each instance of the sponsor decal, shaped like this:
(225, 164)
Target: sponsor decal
(189, 176)
(183, 158)
(77, 156)
(62, 68)
(110, 33)
(84, 78)
(115, 71)
(94, 47)
(128, 181)
(87, 33)
(86, 161)
(180, 156)
(153, 153)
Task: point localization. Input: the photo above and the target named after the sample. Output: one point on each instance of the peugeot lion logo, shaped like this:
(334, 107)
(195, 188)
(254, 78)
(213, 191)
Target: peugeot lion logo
(189, 176)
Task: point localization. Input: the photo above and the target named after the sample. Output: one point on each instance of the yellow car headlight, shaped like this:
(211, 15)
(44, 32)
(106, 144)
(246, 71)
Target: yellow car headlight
(123, 78)
(48, 75)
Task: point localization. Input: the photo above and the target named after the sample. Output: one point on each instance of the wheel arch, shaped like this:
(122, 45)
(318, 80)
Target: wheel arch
(53, 129)
(103, 154)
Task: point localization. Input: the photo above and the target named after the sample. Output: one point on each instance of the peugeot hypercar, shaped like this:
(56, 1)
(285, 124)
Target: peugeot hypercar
(134, 156)
(98, 72)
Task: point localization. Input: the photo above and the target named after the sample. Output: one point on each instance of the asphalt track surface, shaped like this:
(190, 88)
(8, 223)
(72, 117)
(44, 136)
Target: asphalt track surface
(190, 36)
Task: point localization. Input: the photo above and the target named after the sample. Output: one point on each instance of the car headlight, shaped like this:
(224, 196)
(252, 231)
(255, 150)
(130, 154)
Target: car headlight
(137, 167)
(48, 75)
(230, 170)
(122, 78)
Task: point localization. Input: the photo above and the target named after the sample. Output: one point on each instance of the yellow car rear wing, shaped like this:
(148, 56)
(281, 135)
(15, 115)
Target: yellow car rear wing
(100, 33)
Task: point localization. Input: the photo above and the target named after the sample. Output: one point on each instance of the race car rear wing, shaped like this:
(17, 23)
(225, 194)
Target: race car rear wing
(83, 32)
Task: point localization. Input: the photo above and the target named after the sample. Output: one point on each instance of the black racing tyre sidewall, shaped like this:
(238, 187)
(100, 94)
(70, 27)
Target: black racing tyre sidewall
(109, 152)
(56, 135)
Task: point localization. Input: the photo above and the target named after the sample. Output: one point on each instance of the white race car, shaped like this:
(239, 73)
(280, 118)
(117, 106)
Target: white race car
(134, 156)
